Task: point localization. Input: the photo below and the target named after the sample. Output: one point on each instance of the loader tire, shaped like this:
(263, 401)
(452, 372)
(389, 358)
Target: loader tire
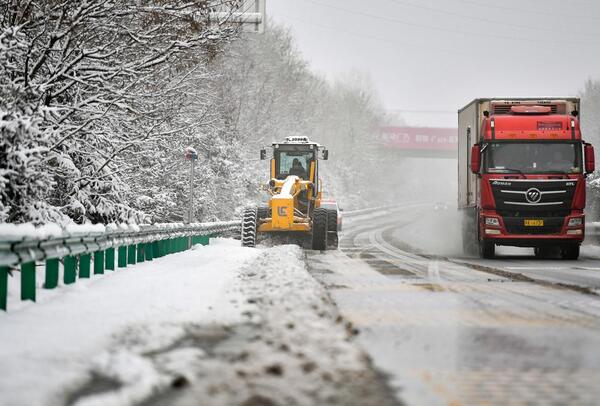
(249, 221)
(332, 220)
(264, 212)
(319, 229)
(332, 228)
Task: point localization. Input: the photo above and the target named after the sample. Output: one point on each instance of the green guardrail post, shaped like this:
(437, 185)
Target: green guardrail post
(140, 252)
(155, 249)
(109, 258)
(3, 287)
(168, 246)
(51, 273)
(131, 254)
(98, 262)
(204, 239)
(28, 281)
(84, 265)
(122, 257)
(70, 273)
(148, 251)
(161, 248)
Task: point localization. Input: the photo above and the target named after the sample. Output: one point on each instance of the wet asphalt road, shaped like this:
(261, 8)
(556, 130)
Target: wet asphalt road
(451, 330)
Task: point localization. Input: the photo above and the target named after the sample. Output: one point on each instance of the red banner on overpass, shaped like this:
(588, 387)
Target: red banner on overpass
(420, 138)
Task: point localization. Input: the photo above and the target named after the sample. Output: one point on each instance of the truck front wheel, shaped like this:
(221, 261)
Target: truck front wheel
(570, 252)
(546, 252)
(487, 249)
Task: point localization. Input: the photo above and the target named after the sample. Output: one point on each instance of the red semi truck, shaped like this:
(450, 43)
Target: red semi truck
(522, 166)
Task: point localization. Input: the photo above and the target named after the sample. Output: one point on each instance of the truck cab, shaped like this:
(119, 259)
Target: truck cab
(524, 165)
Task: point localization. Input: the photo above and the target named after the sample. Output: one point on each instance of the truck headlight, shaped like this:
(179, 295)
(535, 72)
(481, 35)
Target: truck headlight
(575, 221)
(492, 221)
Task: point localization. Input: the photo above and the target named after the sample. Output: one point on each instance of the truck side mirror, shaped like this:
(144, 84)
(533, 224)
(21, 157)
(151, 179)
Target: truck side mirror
(590, 158)
(475, 158)
(325, 154)
(263, 154)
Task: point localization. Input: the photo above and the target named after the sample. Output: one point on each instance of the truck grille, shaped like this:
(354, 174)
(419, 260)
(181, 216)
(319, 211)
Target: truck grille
(533, 213)
(518, 199)
(525, 197)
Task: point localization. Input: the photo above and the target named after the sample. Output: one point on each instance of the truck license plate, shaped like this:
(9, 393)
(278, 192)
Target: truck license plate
(533, 223)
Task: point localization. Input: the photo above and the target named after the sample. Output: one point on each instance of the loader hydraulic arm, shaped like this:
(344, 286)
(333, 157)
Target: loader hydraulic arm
(292, 186)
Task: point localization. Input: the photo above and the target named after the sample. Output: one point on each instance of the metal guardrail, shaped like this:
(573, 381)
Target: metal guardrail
(592, 230)
(81, 247)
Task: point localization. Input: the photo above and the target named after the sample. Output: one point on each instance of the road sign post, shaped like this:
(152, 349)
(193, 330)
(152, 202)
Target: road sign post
(192, 156)
(249, 15)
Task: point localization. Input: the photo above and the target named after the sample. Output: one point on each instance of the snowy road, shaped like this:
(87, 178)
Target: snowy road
(454, 330)
(226, 325)
(217, 325)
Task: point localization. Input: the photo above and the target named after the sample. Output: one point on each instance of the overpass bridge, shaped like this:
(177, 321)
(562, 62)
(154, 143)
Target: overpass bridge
(419, 142)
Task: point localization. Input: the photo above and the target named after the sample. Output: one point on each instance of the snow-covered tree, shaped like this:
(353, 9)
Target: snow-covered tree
(99, 98)
(24, 182)
(91, 78)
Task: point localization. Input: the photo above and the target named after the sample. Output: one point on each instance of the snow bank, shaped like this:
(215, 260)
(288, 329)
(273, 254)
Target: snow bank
(16, 232)
(51, 347)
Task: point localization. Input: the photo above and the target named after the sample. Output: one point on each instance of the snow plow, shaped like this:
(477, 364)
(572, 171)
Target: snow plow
(294, 213)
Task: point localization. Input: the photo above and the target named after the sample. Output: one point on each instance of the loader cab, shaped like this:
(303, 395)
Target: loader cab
(296, 156)
(293, 160)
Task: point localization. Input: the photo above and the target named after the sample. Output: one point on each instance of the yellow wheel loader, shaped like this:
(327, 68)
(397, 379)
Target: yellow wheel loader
(295, 191)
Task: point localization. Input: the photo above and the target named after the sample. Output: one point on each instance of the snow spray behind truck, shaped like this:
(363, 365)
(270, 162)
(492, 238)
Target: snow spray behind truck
(522, 166)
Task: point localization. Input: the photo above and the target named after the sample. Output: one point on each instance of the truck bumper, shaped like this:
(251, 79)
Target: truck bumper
(533, 241)
(561, 235)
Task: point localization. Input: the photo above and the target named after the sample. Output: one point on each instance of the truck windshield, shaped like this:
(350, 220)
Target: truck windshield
(532, 157)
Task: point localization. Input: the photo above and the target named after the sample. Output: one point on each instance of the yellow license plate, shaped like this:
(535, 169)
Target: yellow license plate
(533, 223)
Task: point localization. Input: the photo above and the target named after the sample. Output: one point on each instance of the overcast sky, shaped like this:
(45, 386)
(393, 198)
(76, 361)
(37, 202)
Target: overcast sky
(437, 55)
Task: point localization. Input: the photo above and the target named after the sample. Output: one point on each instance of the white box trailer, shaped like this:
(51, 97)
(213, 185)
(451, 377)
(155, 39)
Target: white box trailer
(470, 119)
